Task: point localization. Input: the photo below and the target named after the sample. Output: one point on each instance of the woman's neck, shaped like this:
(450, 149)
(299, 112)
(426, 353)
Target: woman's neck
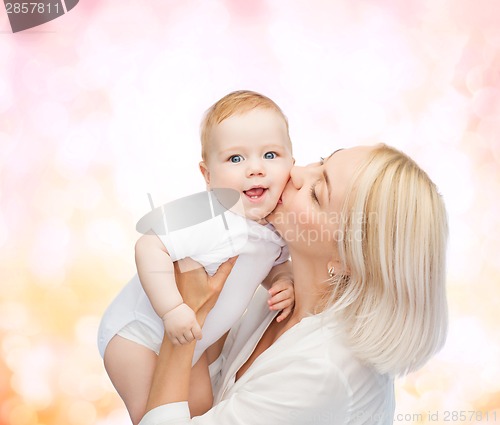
(309, 284)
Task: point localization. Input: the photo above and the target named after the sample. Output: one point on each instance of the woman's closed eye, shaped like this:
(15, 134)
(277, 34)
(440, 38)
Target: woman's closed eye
(312, 190)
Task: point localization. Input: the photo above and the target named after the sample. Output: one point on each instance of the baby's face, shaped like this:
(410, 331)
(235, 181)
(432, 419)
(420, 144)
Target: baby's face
(250, 153)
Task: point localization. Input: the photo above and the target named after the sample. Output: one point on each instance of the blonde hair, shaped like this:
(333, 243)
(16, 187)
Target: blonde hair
(235, 103)
(394, 248)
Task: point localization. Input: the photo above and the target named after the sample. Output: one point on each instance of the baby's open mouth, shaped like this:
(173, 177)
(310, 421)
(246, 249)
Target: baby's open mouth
(255, 192)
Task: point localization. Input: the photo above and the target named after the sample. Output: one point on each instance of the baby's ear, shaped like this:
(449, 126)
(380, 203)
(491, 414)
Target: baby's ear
(205, 172)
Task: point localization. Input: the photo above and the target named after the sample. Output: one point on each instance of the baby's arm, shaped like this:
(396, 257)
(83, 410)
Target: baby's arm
(156, 273)
(279, 283)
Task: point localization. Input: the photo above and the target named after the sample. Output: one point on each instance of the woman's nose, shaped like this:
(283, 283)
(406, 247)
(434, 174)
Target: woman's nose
(301, 175)
(297, 175)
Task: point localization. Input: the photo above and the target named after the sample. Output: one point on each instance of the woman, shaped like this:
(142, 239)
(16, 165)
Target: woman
(367, 231)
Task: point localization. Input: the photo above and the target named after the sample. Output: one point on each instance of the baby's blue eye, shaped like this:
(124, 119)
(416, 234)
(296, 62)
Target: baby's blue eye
(235, 159)
(270, 155)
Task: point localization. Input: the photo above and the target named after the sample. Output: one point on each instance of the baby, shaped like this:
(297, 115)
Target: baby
(245, 147)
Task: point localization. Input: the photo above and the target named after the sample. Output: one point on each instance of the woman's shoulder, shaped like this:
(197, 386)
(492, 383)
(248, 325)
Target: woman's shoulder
(310, 363)
(320, 350)
(321, 339)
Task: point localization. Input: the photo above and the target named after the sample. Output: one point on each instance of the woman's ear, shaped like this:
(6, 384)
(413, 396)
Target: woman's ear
(334, 267)
(205, 172)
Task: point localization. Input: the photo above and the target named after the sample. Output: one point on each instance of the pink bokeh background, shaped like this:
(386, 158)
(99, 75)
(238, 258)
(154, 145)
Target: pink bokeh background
(102, 106)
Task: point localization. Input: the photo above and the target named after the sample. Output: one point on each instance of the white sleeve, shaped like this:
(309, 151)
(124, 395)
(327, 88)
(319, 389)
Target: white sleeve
(173, 413)
(284, 256)
(302, 392)
(222, 236)
(187, 242)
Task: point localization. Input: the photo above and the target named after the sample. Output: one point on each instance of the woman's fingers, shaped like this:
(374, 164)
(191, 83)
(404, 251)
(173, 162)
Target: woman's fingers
(198, 290)
(192, 282)
(219, 278)
(186, 265)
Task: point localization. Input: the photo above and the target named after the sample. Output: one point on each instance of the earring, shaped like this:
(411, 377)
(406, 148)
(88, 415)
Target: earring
(331, 271)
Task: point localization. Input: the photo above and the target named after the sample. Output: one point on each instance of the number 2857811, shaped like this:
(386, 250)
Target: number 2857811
(32, 8)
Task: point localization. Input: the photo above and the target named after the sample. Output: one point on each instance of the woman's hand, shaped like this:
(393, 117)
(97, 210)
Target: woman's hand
(173, 369)
(199, 290)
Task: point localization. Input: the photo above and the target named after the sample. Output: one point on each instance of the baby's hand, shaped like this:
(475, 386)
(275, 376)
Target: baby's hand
(282, 297)
(181, 325)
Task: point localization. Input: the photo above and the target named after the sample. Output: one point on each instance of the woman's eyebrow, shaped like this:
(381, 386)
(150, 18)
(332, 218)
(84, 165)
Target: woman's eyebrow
(333, 153)
(328, 187)
(325, 176)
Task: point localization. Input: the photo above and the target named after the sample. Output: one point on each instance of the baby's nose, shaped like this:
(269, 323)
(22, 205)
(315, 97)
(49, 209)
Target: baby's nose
(255, 168)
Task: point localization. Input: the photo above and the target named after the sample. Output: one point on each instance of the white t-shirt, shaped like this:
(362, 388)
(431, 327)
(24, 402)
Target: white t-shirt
(308, 376)
(210, 243)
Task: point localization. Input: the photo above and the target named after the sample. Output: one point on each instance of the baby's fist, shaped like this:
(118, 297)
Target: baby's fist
(181, 325)
(282, 297)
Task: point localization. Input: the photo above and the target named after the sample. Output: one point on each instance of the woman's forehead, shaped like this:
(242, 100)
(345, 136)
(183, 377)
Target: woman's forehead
(342, 165)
